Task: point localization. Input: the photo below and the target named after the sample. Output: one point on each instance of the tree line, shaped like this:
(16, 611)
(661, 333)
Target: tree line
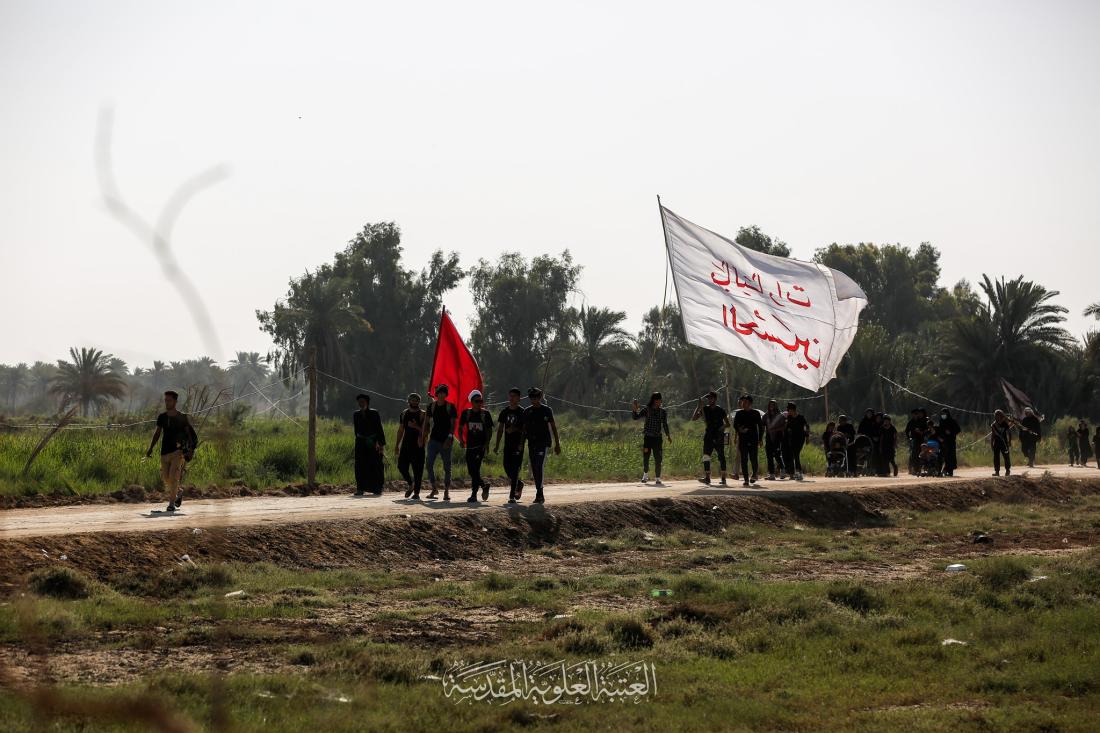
(373, 322)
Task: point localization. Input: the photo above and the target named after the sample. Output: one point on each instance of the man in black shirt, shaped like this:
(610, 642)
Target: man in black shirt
(412, 432)
(474, 428)
(510, 426)
(795, 433)
(716, 422)
(749, 426)
(441, 418)
(370, 443)
(538, 426)
(176, 447)
(1031, 433)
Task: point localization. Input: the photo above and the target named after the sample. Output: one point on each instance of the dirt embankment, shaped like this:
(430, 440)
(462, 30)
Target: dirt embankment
(392, 541)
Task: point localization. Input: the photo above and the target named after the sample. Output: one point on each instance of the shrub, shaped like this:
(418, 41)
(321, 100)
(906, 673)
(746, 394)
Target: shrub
(854, 596)
(284, 461)
(58, 582)
(1002, 573)
(629, 633)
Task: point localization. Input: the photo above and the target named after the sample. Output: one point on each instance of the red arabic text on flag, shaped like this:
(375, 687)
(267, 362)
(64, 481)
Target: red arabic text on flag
(792, 318)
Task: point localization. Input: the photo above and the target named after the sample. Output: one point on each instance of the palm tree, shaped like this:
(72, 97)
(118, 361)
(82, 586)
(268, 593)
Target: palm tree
(249, 366)
(1093, 310)
(317, 315)
(88, 380)
(595, 354)
(12, 379)
(1012, 335)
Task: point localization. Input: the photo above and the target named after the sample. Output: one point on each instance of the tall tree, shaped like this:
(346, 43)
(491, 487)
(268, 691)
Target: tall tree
(88, 380)
(521, 313)
(12, 380)
(595, 355)
(316, 314)
(752, 238)
(247, 367)
(1015, 334)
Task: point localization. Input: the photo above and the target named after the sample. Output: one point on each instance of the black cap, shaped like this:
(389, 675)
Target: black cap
(747, 397)
(534, 392)
(362, 396)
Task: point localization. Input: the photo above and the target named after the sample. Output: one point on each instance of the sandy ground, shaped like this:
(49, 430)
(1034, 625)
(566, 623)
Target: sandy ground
(269, 510)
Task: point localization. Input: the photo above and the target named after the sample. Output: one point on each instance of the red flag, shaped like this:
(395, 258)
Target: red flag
(454, 366)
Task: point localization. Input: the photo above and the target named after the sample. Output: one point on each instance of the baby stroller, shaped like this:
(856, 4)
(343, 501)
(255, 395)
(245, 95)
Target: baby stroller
(836, 458)
(862, 448)
(930, 461)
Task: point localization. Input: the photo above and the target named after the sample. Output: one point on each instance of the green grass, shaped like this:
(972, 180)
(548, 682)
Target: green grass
(264, 453)
(734, 646)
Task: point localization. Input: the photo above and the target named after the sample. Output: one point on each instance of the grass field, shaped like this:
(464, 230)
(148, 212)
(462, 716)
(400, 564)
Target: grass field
(262, 453)
(768, 628)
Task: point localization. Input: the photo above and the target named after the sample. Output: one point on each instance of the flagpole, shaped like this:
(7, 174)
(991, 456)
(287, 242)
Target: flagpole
(435, 356)
(668, 253)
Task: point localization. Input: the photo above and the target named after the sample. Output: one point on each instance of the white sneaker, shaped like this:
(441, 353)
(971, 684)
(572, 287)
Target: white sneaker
(645, 478)
(658, 482)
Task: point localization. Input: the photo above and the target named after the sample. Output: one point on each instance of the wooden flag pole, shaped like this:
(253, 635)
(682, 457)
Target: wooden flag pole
(311, 465)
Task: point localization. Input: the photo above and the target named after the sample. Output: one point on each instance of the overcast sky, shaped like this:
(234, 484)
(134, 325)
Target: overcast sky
(533, 127)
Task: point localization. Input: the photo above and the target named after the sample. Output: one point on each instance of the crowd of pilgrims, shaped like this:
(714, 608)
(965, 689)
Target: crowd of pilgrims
(869, 448)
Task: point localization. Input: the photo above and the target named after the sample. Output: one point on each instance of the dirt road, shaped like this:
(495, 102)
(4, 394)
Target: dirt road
(268, 510)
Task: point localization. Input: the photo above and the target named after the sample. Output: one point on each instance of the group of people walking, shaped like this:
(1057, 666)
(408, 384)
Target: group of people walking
(425, 436)
(783, 435)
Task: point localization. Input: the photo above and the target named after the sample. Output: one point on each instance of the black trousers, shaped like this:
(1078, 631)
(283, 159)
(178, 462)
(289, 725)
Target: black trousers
(749, 455)
(1028, 448)
(537, 456)
(410, 463)
(474, 457)
(773, 450)
(715, 444)
(998, 453)
(914, 456)
(653, 446)
(792, 453)
(512, 460)
(369, 471)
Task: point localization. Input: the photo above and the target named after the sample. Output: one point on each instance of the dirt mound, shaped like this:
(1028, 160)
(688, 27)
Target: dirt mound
(389, 541)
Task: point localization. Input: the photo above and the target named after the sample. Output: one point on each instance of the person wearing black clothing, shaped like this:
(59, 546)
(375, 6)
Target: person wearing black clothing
(1096, 446)
(749, 426)
(1072, 447)
(411, 434)
(775, 422)
(848, 430)
(656, 421)
(716, 422)
(178, 440)
(830, 428)
(510, 427)
(796, 431)
(442, 417)
(947, 432)
(538, 427)
(476, 425)
(370, 443)
(1031, 433)
(1083, 446)
(888, 445)
(914, 432)
(1001, 442)
(869, 427)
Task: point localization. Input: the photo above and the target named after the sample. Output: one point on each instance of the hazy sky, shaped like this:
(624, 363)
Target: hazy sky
(533, 127)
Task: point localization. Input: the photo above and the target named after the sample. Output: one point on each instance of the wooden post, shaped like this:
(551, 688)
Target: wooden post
(311, 456)
(826, 390)
(881, 395)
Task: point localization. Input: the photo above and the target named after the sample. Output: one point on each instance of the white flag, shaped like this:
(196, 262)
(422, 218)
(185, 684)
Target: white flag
(791, 318)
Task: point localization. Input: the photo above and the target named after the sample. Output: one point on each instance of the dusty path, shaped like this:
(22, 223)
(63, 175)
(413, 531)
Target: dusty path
(268, 510)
